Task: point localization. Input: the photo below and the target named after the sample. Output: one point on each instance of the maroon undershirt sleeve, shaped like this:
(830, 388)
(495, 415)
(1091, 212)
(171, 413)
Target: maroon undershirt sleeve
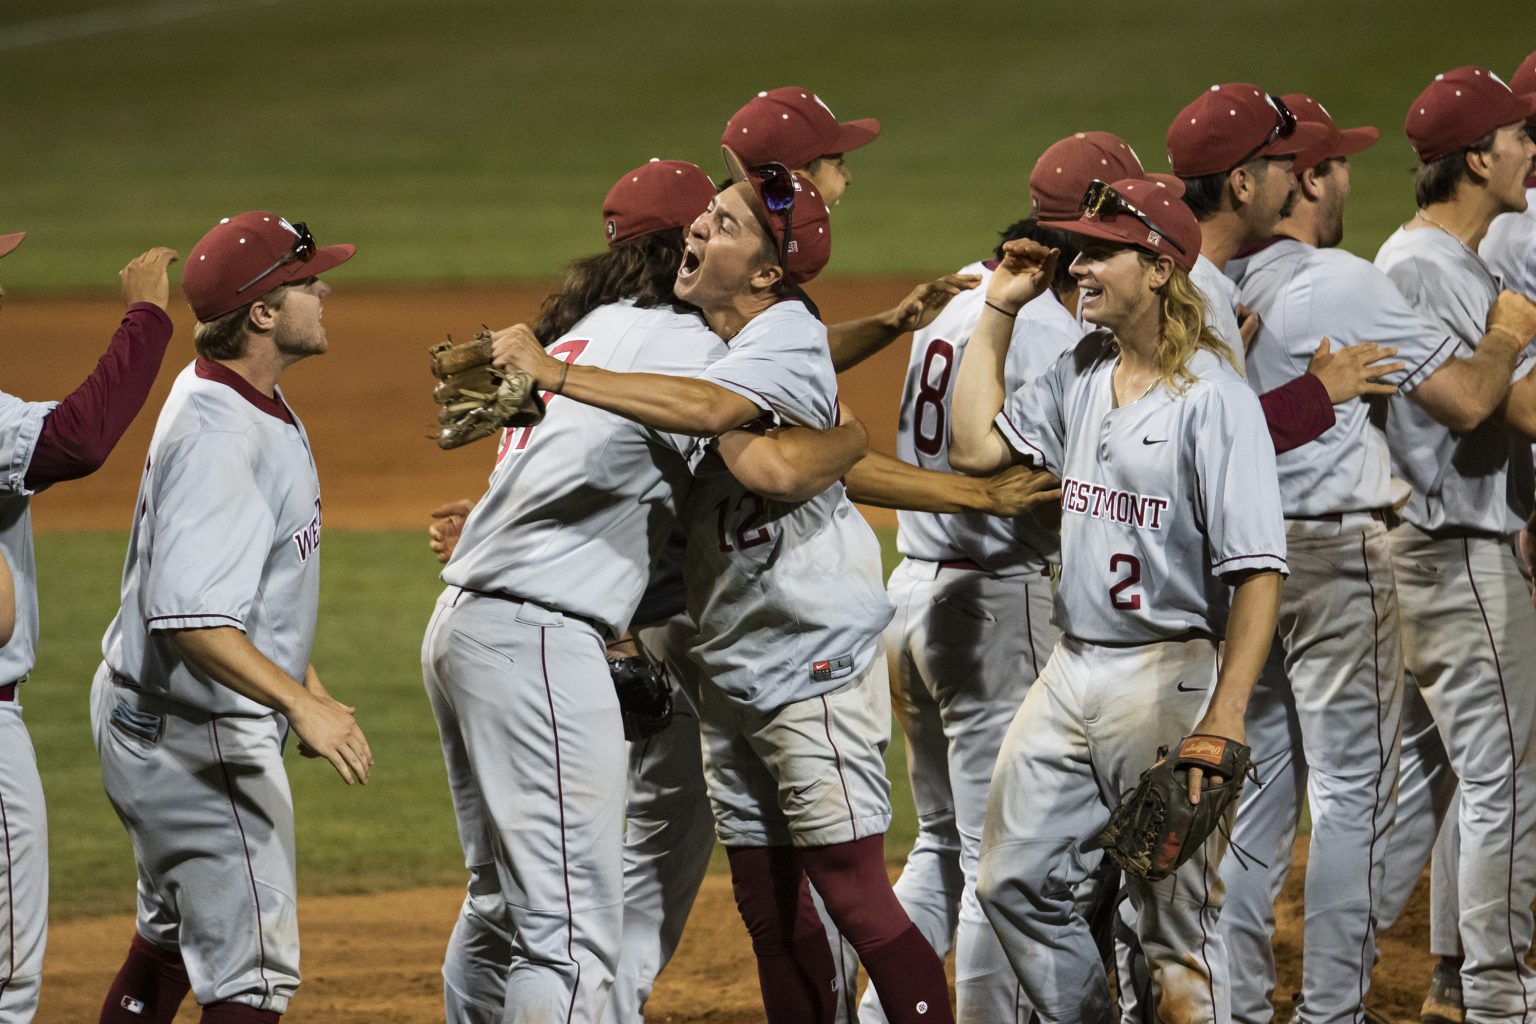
(1297, 412)
(80, 433)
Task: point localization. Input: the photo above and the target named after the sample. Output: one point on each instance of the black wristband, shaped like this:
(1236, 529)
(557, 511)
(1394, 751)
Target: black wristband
(1001, 310)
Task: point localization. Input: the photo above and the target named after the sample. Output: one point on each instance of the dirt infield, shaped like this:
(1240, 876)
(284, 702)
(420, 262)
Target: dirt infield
(366, 404)
(374, 960)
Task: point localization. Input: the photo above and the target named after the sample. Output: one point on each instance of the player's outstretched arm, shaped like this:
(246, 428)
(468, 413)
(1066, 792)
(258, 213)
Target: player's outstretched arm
(885, 481)
(975, 444)
(678, 405)
(793, 463)
(1463, 392)
(1250, 628)
(327, 727)
(82, 430)
(854, 341)
(447, 525)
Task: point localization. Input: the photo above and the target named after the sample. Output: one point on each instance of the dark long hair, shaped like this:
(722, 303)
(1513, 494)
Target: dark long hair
(643, 269)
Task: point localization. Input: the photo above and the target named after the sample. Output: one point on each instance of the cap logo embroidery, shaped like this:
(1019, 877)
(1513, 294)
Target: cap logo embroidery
(613, 229)
(1153, 238)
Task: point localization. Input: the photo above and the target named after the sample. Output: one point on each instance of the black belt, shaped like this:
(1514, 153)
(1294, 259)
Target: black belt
(502, 595)
(1381, 515)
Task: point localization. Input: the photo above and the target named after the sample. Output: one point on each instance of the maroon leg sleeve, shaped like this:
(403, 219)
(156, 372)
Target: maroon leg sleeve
(148, 988)
(794, 963)
(237, 1013)
(904, 969)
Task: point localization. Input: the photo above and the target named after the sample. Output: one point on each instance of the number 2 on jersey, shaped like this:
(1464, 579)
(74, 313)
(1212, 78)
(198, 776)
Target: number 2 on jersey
(928, 428)
(1118, 598)
(515, 439)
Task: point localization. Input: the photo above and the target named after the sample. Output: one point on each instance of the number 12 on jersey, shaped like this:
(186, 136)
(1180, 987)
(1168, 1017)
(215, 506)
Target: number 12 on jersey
(515, 439)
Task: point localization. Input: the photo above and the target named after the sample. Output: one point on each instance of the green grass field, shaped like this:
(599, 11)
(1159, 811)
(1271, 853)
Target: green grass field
(376, 595)
(475, 140)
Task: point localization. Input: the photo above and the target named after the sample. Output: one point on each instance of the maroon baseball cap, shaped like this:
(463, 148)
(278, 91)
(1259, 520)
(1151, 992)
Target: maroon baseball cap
(1459, 107)
(1340, 142)
(655, 196)
(248, 255)
(1230, 124)
(792, 126)
(809, 245)
(9, 242)
(1523, 82)
(1067, 167)
(1143, 214)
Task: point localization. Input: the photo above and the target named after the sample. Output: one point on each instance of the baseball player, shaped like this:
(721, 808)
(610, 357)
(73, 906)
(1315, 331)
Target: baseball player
(1466, 611)
(973, 594)
(1233, 147)
(1510, 245)
(46, 443)
(206, 665)
(1509, 249)
(789, 610)
(1169, 499)
(544, 852)
(670, 829)
(1339, 617)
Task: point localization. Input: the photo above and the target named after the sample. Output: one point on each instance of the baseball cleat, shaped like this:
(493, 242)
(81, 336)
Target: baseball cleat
(1442, 1003)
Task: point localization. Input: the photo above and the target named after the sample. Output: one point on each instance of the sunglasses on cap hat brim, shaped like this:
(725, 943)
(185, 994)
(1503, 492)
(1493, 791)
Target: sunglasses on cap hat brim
(1102, 202)
(303, 250)
(777, 187)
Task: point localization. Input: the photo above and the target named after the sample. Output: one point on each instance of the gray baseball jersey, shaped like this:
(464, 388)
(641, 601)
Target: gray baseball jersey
(586, 478)
(227, 533)
(1478, 480)
(1160, 498)
(21, 423)
(1510, 248)
(1044, 329)
(787, 596)
(23, 819)
(1221, 299)
(1301, 294)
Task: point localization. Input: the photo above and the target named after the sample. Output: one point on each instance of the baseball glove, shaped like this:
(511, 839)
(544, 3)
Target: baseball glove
(1155, 828)
(645, 695)
(477, 399)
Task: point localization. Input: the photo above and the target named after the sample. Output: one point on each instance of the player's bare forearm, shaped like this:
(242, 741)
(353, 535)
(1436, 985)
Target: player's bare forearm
(1250, 629)
(680, 405)
(794, 463)
(975, 444)
(1461, 393)
(225, 655)
(882, 480)
(853, 341)
(1518, 410)
(7, 601)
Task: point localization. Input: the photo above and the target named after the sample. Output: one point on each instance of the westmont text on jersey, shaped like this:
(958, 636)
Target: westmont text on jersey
(1102, 502)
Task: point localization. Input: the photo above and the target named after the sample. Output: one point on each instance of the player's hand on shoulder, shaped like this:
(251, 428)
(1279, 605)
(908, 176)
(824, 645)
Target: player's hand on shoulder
(447, 525)
(517, 348)
(1020, 489)
(924, 303)
(146, 279)
(1025, 272)
(1354, 370)
(328, 729)
(1514, 313)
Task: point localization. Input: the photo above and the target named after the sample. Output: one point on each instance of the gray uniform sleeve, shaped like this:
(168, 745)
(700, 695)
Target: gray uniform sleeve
(213, 532)
(1369, 307)
(21, 424)
(1442, 296)
(1235, 480)
(783, 368)
(1033, 418)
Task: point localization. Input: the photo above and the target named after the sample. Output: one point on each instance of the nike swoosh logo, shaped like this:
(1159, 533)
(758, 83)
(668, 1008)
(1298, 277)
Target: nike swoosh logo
(1149, 440)
(1191, 689)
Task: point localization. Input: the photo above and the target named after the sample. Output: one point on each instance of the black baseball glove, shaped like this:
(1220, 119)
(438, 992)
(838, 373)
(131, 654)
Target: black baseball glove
(1155, 828)
(645, 695)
